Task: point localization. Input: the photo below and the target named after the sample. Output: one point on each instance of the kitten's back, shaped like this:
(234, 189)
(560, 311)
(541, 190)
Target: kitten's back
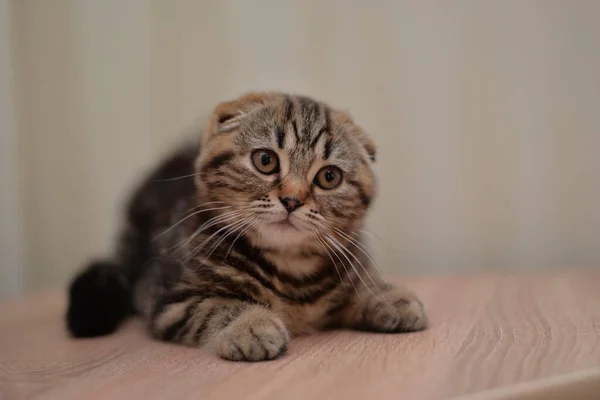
(101, 296)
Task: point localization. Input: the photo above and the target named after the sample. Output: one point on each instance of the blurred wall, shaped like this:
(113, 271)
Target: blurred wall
(12, 266)
(487, 115)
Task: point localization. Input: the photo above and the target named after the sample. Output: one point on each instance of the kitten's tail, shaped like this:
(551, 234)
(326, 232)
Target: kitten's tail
(100, 299)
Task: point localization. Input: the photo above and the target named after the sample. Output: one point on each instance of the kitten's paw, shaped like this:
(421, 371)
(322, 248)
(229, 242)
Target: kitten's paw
(256, 335)
(396, 310)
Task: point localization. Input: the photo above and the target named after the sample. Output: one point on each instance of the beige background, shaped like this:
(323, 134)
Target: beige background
(487, 116)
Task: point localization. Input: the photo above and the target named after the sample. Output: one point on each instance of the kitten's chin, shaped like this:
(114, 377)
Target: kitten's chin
(282, 235)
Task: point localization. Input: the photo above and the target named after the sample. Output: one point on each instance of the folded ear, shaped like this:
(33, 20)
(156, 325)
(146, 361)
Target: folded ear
(227, 115)
(368, 144)
(358, 133)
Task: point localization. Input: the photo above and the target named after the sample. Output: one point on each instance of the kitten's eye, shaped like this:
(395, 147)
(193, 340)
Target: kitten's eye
(265, 161)
(328, 177)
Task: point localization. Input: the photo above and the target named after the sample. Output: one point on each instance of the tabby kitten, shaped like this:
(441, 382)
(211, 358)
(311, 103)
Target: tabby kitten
(261, 245)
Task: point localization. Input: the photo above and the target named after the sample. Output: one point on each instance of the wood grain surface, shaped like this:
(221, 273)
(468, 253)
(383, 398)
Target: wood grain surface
(488, 332)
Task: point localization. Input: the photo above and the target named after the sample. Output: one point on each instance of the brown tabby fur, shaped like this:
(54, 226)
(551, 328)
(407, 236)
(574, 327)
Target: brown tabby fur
(207, 262)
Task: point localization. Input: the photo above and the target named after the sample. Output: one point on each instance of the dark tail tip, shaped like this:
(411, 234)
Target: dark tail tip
(99, 300)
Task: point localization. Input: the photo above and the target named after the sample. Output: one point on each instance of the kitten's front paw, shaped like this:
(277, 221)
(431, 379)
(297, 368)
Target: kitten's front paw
(256, 335)
(396, 310)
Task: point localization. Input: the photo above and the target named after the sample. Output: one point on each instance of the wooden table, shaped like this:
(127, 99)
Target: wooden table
(488, 332)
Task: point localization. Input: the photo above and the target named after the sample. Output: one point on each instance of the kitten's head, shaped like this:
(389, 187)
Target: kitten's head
(287, 170)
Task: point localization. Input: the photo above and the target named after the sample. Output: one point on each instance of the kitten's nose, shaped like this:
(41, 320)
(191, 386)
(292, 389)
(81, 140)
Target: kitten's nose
(290, 203)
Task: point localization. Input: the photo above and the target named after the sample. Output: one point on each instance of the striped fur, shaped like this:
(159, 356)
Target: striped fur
(215, 259)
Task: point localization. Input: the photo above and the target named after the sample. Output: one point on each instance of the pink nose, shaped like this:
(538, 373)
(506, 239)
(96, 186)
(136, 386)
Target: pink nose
(290, 203)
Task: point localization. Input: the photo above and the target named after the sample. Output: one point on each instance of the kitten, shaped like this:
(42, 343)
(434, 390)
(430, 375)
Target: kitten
(250, 238)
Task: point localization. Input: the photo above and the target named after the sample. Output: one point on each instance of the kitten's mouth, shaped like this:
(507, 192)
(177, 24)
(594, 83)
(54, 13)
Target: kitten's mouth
(285, 224)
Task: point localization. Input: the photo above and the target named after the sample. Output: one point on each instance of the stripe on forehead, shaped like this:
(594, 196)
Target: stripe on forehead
(312, 115)
(308, 120)
(290, 118)
(280, 136)
(307, 115)
(309, 110)
(324, 131)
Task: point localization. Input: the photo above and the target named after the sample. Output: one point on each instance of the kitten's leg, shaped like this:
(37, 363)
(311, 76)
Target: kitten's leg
(234, 329)
(385, 308)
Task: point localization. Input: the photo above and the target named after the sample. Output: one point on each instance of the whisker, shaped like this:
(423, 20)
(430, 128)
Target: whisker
(198, 248)
(314, 236)
(322, 225)
(343, 250)
(366, 252)
(204, 204)
(176, 178)
(372, 234)
(255, 221)
(211, 222)
(242, 225)
(186, 218)
(359, 262)
(345, 269)
(229, 203)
